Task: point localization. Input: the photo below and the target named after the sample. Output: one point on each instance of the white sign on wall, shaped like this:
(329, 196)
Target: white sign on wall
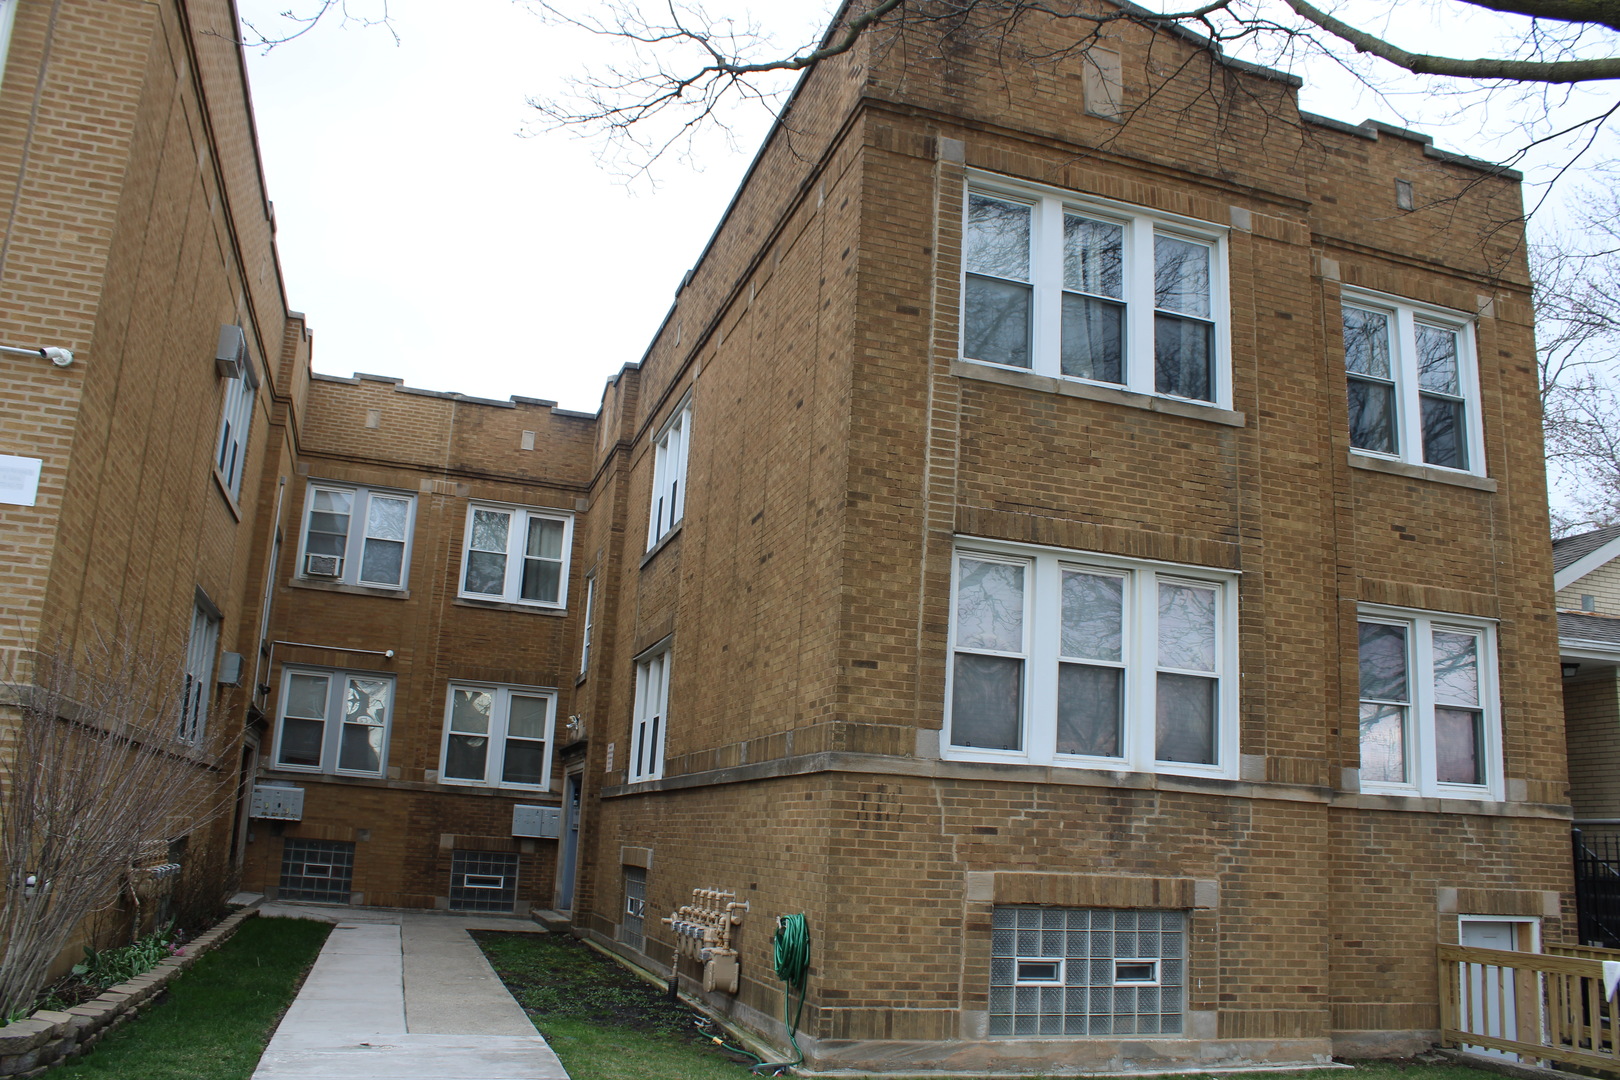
(19, 479)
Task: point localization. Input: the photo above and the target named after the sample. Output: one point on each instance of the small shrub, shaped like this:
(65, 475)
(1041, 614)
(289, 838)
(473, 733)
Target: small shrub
(109, 967)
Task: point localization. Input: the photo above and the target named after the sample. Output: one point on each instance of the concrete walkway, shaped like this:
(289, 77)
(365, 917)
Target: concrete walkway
(404, 996)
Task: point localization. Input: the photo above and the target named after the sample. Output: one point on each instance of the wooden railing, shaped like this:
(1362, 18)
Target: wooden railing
(1542, 1006)
(1587, 952)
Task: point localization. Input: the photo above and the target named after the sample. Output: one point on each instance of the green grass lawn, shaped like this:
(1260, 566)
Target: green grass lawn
(603, 1021)
(215, 1019)
(606, 1023)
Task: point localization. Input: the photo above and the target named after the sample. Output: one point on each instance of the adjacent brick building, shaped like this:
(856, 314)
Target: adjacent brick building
(1079, 536)
(137, 237)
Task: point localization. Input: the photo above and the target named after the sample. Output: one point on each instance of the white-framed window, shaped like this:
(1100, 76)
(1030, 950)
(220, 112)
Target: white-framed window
(1080, 288)
(590, 624)
(8, 13)
(236, 418)
(1091, 661)
(498, 736)
(356, 535)
(199, 677)
(1412, 382)
(647, 728)
(517, 554)
(334, 721)
(1429, 719)
(669, 476)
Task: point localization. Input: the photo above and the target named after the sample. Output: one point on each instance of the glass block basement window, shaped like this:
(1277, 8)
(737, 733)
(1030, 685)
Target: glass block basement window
(483, 881)
(318, 871)
(1078, 971)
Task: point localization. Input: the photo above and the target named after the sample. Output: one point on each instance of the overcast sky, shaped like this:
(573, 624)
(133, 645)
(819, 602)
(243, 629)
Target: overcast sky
(430, 231)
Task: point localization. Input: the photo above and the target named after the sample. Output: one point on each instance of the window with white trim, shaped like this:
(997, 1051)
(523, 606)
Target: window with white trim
(590, 621)
(1090, 661)
(669, 476)
(356, 535)
(8, 12)
(647, 728)
(199, 677)
(498, 736)
(516, 554)
(1096, 291)
(1428, 717)
(1411, 382)
(236, 418)
(334, 721)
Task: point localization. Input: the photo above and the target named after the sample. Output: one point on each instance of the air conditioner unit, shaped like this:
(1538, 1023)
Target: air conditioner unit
(230, 358)
(277, 803)
(538, 821)
(230, 669)
(323, 565)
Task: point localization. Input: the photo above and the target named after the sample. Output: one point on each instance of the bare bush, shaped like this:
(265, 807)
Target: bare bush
(94, 784)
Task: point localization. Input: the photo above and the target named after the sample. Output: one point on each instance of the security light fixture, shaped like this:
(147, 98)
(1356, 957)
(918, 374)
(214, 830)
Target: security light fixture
(58, 356)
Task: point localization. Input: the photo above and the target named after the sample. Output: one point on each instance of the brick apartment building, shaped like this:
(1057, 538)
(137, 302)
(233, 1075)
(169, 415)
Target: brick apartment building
(137, 236)
(1103, 704)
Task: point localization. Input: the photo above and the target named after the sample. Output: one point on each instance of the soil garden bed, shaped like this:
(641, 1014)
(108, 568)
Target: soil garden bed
(604, 1022)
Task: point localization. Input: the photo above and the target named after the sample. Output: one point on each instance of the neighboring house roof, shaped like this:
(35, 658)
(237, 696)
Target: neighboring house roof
(1588, 635)
(1576, 556)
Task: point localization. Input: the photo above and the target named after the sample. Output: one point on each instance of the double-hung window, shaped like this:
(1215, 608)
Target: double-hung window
(334, 721)
(1061, 658)
(647, 727)
(198, 686)
(236, 418)
(517, 554)
(1428, 717)
(498, 736)
(1083, 289)
(1411, 382)
(669, 476)
(356, 536)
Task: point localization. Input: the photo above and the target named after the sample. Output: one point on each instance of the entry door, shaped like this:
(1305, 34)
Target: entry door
(1490, 994)
(570, 842)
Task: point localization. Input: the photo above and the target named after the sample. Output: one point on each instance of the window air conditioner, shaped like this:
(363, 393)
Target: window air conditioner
(230, 669)
(230, 358)
(323, 565)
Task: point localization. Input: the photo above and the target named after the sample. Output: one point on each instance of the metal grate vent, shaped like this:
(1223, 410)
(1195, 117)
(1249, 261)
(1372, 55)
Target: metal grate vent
(631, 930)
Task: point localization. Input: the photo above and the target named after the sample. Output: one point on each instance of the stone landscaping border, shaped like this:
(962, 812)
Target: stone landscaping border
(29, 1047)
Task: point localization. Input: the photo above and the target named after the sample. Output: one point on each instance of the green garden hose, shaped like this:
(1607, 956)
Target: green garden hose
(792, 945)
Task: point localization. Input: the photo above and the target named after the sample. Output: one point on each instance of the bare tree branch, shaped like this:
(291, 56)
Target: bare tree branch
(1541, 71)
(96, 784)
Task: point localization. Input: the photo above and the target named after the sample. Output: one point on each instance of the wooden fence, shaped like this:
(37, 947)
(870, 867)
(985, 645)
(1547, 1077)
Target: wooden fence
(1541, 1006)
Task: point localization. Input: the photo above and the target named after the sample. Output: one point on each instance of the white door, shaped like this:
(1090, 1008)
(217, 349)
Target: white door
(1488, 992)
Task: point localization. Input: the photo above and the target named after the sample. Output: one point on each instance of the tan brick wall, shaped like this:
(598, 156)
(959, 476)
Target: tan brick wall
(838, 449)
(1592, 734)
(1328, 899)
(135, 225)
